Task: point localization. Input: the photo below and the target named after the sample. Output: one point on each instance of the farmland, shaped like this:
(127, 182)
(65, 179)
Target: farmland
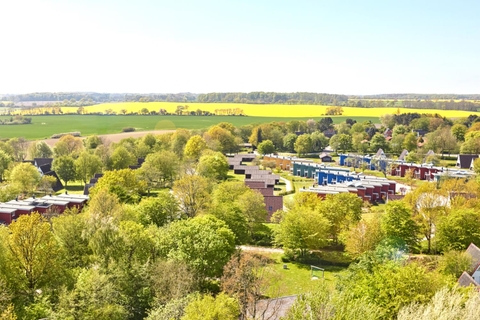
(44, 126)
(267, 110)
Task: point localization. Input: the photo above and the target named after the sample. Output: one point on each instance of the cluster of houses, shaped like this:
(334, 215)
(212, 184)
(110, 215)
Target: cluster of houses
(263, 181)
(56, 204)
(399, 167)
(334, 180)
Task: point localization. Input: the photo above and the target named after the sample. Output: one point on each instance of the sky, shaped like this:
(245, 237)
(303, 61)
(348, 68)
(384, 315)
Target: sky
(171, 46)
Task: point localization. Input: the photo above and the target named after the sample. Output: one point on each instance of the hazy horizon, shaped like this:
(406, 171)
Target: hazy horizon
(146, 46)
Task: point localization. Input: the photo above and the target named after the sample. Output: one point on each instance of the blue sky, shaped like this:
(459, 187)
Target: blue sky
(350, 47)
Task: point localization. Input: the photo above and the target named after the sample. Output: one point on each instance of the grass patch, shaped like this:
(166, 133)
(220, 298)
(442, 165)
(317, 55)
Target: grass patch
(43, 127)
(296, 279)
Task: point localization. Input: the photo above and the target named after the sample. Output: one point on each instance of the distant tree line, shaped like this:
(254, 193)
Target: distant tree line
(274, 97)
(416, 104)
(468, 102)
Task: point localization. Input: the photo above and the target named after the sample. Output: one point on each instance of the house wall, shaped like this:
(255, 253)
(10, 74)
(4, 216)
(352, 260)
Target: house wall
(476, 275)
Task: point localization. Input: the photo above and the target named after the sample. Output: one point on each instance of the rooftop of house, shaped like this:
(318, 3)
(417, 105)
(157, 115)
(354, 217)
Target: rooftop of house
(464, 161)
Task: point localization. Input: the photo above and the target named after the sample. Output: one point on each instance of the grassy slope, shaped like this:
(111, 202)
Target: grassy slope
(44, 126)
(267, 110)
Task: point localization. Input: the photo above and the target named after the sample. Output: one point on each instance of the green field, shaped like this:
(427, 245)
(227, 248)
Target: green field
(267, 110)
(43, 127)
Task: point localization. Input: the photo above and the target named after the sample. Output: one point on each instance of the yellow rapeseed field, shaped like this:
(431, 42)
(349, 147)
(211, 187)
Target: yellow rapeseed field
(267, 110)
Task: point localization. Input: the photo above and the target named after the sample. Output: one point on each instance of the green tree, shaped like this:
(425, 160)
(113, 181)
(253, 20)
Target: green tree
(204, 243)
(124, 183)
(5, 161)
(319, 141)
(121, 158)
(34, 255)
(213, 165)
(160, 169)
(25, 176)
(458, 229)
(410, 142)
(210, 308)
(342, 210)
(390, 286)
(19, 148)
(378, 141)
(68, 145)
(302, 229)
(289, 142)
(220, 139)
(86, 165)
(94, 296)
(193, 194)
(194, 147)
(64, 166)
(398, 223)
(303, 144)
(68, 229)
(92, 142)
(266, 147)
(459, 131)
(46, 183)
(161, 210)
(364, 236)
(39, 149)
(454, 263)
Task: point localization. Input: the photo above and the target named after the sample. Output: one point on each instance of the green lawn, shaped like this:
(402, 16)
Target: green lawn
(43, 127)
(296, 279)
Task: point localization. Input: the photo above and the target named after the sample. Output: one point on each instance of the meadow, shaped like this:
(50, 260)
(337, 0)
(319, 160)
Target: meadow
(43, 127)
(269, 110)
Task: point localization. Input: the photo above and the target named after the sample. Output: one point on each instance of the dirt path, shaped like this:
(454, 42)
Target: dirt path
(261, 249)
(115, 137)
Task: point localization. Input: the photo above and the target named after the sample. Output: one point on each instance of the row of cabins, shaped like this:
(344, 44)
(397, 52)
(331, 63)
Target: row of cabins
(400, 168)
(57, 204)
(256, 179)
(368, 188)
(333, 180)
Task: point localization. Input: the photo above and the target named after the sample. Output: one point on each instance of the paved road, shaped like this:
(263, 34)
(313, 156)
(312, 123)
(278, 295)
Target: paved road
(288, 184)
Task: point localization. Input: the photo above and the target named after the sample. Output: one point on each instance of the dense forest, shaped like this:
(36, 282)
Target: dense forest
(468, 102)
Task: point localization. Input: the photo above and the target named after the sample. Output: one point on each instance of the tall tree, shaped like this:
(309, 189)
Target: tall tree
(5, 161)
(266, 147)
(68, 145)
(194, 147)
(64, 166)
(25, 176)
(303, 144)
(34, 254)
(204, 243)
(121, 158)
(86, 165)
(19, 147)
(398, 223)
(213, 165)
(193, 193)
(39, 149)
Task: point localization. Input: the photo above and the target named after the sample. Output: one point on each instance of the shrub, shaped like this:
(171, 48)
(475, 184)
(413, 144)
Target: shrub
(59, 135)
(128, 129)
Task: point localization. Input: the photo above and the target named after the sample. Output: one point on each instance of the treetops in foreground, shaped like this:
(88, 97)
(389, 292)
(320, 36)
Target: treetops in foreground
(134, 256)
